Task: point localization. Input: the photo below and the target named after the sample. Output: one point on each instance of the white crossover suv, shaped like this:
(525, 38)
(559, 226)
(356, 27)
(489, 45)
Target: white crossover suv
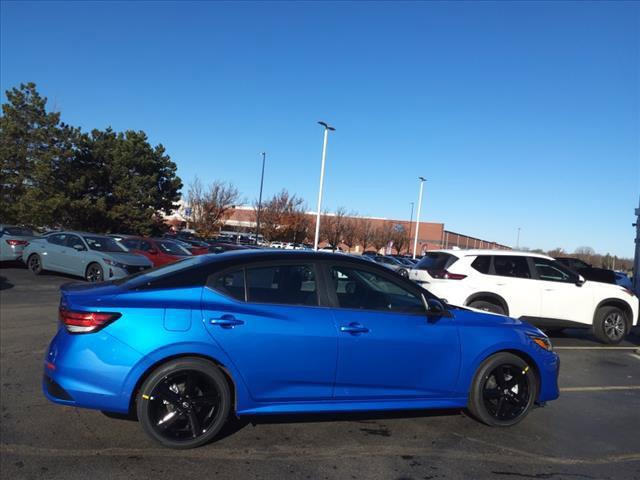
(529, 286)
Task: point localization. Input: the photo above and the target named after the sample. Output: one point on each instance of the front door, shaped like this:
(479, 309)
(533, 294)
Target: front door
(387, 346)
(267, 318)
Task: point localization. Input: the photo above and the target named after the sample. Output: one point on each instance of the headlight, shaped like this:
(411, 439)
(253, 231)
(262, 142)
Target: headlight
(114, 263)
(542, 342)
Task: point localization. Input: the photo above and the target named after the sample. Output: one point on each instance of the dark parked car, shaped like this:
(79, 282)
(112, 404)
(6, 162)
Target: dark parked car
(587, 271)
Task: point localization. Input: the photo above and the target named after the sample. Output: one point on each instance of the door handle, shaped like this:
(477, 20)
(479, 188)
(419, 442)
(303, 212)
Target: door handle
(226, 321)
(354, 329)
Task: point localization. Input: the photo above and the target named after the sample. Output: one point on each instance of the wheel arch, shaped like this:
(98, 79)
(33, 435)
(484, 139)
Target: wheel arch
(491, 297)
(151, 368)
(619, 303)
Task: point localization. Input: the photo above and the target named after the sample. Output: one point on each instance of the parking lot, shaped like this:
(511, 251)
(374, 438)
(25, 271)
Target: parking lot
(591, 432)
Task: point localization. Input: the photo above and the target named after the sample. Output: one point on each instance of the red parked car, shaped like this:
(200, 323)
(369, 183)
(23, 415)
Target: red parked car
(159, 250)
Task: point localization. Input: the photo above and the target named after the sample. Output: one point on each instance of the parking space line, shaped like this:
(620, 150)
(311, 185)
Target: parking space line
(600, 389)
(596, 348)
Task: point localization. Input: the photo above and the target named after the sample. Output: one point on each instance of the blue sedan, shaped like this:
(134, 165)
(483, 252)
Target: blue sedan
(185, 346)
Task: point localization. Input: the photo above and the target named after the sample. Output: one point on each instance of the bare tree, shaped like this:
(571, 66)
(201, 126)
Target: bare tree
(399, 237)
(351, 233)
(382, 234)
(283, 218)
(365, 232)
(211, 205)
(333, 227)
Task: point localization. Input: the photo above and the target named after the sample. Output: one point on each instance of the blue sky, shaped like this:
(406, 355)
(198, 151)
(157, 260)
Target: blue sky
(519, 114)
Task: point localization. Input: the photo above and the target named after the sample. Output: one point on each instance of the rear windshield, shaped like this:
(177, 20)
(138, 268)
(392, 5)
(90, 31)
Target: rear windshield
(104, 244)
(436, 261)
(170, 271)
(19, 231)
(172, 248)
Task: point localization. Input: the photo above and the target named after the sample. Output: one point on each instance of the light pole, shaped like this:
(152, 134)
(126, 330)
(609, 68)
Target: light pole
(260, 198)
(324, 157)
(415, 240)
(410, 222)
(518, 240)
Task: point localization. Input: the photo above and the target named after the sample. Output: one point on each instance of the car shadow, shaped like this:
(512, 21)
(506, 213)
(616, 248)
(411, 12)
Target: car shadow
(4, 284)
(583, 337)
(234, 425)
(13, 264)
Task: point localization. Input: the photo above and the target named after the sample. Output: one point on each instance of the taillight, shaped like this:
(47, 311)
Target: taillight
(85, 322)
(443, 274)
(15, 243)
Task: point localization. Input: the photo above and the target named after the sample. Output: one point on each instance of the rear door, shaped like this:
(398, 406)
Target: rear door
(387, 345)
(512, 279)
(269, 320)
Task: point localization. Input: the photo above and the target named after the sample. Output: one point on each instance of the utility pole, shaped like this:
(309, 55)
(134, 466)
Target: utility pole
(518, 240)
(410, 222)
(260, 198)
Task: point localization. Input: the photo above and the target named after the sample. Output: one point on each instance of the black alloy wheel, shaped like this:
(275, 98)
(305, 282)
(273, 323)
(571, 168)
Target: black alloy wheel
(185, 403)
(94, 273)
(503, 390)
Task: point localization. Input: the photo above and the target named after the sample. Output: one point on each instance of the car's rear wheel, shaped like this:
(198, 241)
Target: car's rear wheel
(94, 273)
(503, 391)
(34, 263)
(610, 325)
(488, 306)
(403, 272)
(184, 403)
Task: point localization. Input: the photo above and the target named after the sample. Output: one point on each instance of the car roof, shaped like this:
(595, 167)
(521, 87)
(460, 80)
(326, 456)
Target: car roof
(251, 255)
(476, 251)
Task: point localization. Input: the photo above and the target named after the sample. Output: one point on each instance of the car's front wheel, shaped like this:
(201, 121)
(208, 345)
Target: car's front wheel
(610, 325)
(503, 391)
(34, 263)
(184, 403)
(94, 273)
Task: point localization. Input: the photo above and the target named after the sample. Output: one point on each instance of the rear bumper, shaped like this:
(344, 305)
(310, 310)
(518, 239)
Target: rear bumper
(89, 370)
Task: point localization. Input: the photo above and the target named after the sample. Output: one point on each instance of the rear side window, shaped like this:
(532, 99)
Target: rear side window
(511, 266)
(283, 284)
(57, 239)
(482, 264)
(436, 261)
(230, 284)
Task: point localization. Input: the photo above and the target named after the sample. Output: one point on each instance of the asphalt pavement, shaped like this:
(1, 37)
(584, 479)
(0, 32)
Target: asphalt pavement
(591, 432)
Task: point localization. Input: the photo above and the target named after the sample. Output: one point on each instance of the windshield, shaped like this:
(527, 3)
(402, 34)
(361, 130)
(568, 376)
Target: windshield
(104, 244)
(172, 248)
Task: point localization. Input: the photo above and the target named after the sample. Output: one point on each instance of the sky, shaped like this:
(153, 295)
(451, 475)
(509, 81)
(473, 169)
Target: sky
(520, 115)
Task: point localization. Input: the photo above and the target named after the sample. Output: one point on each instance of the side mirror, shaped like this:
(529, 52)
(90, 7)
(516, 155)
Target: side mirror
(580, 281)
(78, 247)
(437, 308)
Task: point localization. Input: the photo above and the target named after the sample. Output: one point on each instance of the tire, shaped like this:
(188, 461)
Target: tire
(610, 325)
(184, 403)
(34, 263)
(487, 307)
(94, 273)
(499, 405)
(403, 272)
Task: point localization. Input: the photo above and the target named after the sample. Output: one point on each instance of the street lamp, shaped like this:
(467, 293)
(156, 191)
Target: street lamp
(260, 198)
(410, 222)
(415, 240)
(518, 240)
(324, 157)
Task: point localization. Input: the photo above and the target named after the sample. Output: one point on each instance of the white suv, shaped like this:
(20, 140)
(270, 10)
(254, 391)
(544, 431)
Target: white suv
(528, 286)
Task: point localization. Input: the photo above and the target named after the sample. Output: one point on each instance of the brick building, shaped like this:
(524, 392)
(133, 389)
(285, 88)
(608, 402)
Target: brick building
(431, 236)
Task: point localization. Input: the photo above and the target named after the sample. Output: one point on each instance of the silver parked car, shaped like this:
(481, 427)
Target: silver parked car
(13, 239)
(93, 257)
(393, 264)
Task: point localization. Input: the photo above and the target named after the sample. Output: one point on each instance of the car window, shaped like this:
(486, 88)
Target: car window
(229, 283)
(362, 289)
(72, 240)
(145, 246)
(57, 239)
(511, 266)
(19, 231)
(172, 248)
(284, 284)
(552, 271)
(436, 261)
(482, 264)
